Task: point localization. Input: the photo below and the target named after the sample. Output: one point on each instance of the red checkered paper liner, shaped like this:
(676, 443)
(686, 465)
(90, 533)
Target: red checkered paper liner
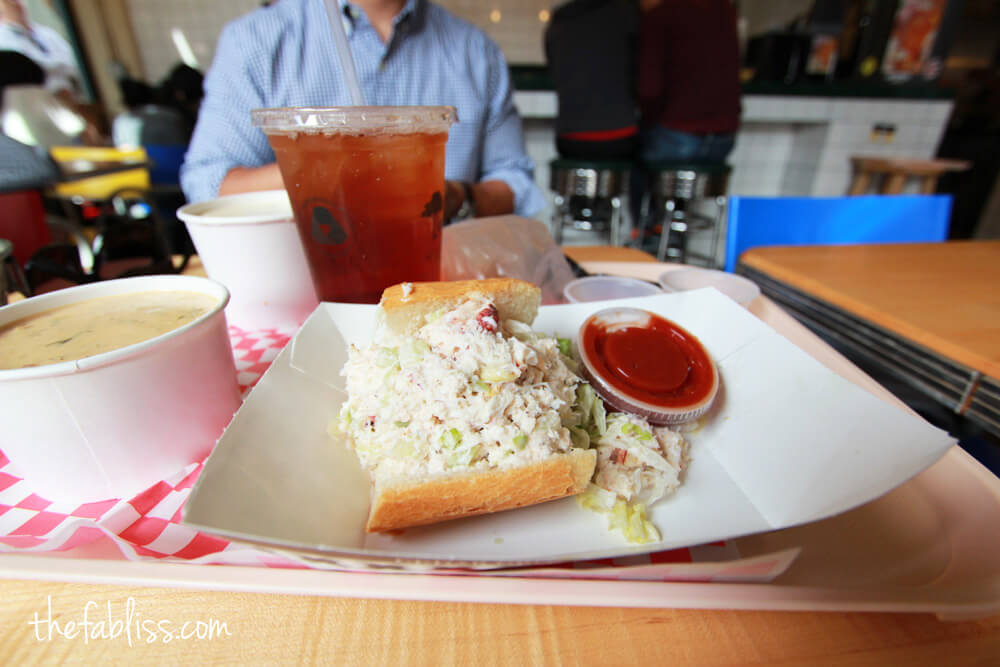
(148, 526)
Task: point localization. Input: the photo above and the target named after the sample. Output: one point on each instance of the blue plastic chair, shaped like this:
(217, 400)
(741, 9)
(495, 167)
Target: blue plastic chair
(771, 221)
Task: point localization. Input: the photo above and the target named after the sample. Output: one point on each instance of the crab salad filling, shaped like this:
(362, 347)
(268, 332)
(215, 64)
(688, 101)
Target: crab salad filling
(468, 390)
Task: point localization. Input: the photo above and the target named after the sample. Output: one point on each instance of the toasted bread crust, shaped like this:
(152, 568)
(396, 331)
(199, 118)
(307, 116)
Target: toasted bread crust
(402, 502)
(404, 310)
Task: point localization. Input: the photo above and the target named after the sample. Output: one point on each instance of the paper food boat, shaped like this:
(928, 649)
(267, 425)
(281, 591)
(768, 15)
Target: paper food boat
(787, 442)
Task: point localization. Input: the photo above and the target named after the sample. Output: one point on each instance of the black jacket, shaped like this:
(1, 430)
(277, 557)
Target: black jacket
(591, 48)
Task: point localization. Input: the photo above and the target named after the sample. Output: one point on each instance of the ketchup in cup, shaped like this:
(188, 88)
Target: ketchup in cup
(645, 364)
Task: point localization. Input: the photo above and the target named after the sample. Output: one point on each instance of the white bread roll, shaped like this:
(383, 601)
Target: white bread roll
(404, 308)
(404, 501)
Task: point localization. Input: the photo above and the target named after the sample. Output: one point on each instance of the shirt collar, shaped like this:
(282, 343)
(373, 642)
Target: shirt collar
(411, 15)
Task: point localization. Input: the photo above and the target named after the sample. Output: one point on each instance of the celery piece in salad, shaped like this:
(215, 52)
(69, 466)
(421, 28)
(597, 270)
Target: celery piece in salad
(585, 398)
(451, 438)
(629, 519)
(598, 416)
(404, 449)
(412, 351)
(580, 437)
(386, 357)
(591, 407)
(493, 374)
(565, 346)
(571, 364)
(464, 457)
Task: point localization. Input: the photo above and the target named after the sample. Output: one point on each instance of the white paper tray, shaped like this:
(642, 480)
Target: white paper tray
(788, 442)
(931, 545)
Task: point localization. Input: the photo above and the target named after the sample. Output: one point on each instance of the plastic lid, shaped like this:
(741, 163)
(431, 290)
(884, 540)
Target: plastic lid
(368, 120)
(675, 380)
(604, 288)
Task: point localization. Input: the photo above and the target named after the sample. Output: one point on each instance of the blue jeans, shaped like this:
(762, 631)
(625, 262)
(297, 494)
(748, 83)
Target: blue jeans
(660, 143)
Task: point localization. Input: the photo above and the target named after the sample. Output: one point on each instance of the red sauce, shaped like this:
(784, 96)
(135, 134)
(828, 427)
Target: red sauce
(656, 362)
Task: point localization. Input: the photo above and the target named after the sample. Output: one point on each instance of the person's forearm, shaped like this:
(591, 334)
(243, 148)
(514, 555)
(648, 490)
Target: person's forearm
(493, 198)
(490, 198)
(251, 179)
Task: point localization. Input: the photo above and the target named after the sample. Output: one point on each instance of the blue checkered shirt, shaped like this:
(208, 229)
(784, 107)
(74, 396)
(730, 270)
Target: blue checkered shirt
(284, 55)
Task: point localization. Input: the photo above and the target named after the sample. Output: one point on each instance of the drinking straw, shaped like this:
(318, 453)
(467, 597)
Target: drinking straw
(344, 52)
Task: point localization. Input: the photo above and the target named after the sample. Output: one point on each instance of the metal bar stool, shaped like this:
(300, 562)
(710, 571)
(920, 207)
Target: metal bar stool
(589, 186)
(673, 188)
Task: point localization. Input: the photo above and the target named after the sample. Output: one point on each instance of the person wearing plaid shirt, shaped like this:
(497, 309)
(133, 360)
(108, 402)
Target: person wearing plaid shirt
(407, 52)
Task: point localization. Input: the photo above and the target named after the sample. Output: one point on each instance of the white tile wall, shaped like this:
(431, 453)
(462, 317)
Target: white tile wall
(536, 104)
(519, 29)
(539, 139)
(199, 20)
(802, 146)
(760, 158)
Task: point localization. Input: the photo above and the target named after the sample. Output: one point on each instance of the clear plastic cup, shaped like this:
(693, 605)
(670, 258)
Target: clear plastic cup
(367, 189)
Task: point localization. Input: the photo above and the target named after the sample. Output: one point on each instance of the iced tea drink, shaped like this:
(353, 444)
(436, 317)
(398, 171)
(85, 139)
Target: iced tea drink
(367, 190)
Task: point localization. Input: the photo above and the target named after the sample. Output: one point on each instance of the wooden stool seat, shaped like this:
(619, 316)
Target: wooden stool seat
(893, 173)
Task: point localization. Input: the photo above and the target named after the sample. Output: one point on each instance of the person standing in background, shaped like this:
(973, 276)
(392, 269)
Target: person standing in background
(689, 97)
(590, 47)
(44, 46)
(689, 79)
(407, 52)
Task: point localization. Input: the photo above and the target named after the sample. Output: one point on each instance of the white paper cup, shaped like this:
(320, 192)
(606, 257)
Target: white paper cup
(250, 244)
(110, 425)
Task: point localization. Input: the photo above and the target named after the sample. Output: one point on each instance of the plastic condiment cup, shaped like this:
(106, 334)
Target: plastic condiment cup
(249, 243)
(603, 288)
(110, 425)
(645, 364)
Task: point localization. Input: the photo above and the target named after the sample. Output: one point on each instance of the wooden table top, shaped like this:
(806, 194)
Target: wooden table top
(272, 628)
(290, 629)
(944, 296)
(590, 253)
